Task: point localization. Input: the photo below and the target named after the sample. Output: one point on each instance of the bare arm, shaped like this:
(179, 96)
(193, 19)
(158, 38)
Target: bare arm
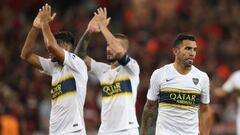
(81, 49)
(113, 42)
(147, 116)
(205, 119)
(219, 92)
(27, 54)
(49, 39)
(51, 43)
(27, 50)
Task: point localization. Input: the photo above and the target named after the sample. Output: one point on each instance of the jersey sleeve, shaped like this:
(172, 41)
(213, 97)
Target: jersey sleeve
(229, 85)
(74, 62)
(47, 65)
(154, 88)
(98, 68)
(205, 95)
(132, 67)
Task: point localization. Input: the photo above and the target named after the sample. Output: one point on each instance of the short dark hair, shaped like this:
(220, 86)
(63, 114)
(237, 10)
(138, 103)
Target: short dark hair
(182, 36)
(124, 38)
(64, 37)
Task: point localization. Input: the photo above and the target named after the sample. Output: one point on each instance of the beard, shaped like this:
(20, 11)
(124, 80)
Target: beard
(111, 58)
(188, 63)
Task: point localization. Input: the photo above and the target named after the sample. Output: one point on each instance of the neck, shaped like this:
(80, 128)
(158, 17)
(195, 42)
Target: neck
(114, 64)
(181, 68)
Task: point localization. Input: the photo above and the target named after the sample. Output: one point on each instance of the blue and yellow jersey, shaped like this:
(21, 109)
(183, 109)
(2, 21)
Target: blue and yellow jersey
(179, 97)
(68, 91)
(120, 87)
(119, 92)
(64, 86)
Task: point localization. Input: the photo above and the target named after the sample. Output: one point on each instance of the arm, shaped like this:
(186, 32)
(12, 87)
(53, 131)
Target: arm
(147, 116)
(205, 119)
(81, 48)
(49, 39)
(27, 50)
(51, 43)
(219, 92)
(113, 42)
(152, 102)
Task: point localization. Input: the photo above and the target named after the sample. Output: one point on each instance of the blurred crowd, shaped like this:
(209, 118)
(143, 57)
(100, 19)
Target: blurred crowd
(151, 26)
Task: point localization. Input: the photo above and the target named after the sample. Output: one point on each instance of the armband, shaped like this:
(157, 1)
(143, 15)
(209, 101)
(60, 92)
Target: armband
(124, 60)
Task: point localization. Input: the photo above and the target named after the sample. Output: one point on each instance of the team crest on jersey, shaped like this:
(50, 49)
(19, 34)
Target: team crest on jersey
(195, 80)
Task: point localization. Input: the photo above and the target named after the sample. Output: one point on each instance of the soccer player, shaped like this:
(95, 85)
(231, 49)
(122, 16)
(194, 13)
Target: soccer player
(68, 72)
(229, 86)
(119, 80)
(180, 91)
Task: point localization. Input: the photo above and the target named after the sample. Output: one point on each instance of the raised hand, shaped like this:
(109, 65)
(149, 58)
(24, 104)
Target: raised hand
(101, 17)
(45, 14)
(93, 25)
(37, 22)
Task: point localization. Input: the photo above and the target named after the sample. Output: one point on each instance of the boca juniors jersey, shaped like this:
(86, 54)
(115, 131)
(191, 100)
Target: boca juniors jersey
(179, 97)
(119, 91)
(68, 91)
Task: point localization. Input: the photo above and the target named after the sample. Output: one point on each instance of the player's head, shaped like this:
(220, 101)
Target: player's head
(184, 49)
(124, 44)
(65, 40)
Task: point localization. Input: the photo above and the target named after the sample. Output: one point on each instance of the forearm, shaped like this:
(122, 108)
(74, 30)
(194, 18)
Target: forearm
(49, 39)
(29, 43)
(147, 119)
(113, 43)
(205, 121)
(81, 48)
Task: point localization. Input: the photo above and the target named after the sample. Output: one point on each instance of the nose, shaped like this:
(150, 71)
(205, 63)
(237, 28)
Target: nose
(192, 52)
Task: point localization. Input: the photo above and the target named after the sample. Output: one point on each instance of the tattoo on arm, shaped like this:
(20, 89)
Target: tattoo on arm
(147, 116)
(81, 49)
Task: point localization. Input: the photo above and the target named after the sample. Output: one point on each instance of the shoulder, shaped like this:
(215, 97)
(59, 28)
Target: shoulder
(236, 73)
(99, 64)
(200, 73)
(72, 55)
(161, 70)
(133, 60)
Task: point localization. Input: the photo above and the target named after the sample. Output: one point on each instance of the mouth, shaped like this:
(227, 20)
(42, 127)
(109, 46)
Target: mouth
(190, 60)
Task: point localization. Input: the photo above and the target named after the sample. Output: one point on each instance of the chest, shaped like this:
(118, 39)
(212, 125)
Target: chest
(188, 82)
(113, 75)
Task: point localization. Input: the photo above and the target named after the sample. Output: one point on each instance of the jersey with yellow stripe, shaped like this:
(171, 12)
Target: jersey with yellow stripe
(68, 91)
(119, 91)
(179, 98)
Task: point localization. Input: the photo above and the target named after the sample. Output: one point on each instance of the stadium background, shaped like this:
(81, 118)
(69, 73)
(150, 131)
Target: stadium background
(151, 26)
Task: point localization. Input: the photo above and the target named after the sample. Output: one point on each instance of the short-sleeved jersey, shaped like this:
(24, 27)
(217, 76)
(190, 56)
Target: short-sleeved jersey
(119, 91)
(233, 83)
(68, 91)
(179, 97)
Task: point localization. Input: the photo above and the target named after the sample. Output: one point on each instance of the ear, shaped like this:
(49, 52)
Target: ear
(175, 51)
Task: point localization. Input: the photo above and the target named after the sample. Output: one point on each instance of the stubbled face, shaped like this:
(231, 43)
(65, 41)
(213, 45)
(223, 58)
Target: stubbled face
(186, 52)
(110, 55)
